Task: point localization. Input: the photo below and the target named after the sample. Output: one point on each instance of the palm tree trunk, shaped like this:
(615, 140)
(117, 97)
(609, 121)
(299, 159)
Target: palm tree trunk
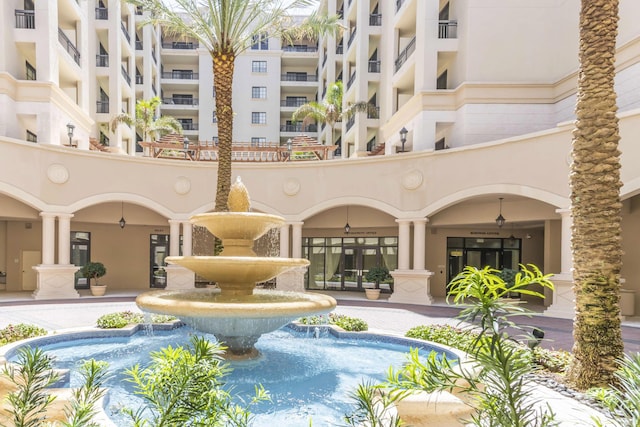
(223, 64)
(595, 202)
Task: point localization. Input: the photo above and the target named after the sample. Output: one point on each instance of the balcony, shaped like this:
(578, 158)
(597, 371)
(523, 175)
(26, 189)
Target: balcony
(294, 103)
(138, 45)
(125, 31)
(153, 55)
(339, 49)
(69, 47)
(25, 19)
(180, 45)
(375, 20)
(373, 113)
(180, 75)
(102, 60)
(298, 77)
(399, 4)
(352, 37)
(189, 126)
(351, 80)
(300, 49)
(351, 122)
(448, 29)
(405, 54)
(374, 66)
(102, 13)
(139, 79)
(126, 75)
(298, 127)
(102, 107)
(180, 101)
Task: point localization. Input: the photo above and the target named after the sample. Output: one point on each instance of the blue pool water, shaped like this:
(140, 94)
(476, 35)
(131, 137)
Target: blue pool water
(307, 377)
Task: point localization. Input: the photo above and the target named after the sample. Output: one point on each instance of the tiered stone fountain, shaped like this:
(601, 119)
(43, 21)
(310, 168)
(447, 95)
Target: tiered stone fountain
(236, 313)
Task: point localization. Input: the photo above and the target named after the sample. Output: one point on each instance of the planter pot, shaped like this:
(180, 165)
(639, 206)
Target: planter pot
(372, 293)
(98, 291)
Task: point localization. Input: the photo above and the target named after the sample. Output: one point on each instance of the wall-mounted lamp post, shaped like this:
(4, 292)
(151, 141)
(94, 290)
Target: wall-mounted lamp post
(70, 128)
(403, 137)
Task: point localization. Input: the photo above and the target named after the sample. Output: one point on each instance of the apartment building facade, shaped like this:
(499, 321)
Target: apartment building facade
(484, 90)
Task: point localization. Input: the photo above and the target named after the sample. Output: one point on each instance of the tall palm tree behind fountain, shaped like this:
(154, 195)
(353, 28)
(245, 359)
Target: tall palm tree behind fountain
(237, 314)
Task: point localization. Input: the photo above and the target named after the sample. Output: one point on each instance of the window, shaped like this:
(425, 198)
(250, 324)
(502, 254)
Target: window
(31, 71)
(258, 141)
(32, 137)
(259, 118)
(80, 255)
(215, 118)
(260, 42)
(258, 92)
(258, 66)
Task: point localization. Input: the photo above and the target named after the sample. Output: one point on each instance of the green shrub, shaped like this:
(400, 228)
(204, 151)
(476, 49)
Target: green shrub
(18, 332)
(123, 318)
(444, 334)
(351, 324)
(552, 360)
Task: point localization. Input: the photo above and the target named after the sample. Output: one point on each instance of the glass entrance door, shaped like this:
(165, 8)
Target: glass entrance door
(159, 250)
(356, 262)
(80, 255)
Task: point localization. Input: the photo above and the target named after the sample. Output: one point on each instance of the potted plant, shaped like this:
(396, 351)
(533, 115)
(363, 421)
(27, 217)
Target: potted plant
(376, 275)
(95, 270)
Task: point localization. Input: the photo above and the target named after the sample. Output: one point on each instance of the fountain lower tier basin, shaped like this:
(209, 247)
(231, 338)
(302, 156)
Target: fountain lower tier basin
(236, 320)
(236, 273)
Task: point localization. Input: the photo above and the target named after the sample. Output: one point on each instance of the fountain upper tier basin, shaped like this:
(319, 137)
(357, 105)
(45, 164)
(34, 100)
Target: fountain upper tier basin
(237, 225)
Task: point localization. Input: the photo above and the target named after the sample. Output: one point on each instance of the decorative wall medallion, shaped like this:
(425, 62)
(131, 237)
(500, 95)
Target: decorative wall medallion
(57, 174)
(412, 180)
(182, 185)
(291, 186)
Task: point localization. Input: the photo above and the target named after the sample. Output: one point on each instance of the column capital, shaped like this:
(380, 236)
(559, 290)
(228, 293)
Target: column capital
(65, 215)
(406, 221)
(295, 223)
(48, 214)
(564, 211)
(175, 221)
(419, 221)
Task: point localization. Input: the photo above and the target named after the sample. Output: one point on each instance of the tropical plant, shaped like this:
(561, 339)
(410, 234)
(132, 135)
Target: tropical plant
(377, 274)
(226, 28)
(145, 121)
(331, 109)
(184, 386)
(624, 399)
(595, 202)
(495, 376)
(31, 376)
(20, 331)
(82, 406)
(93, 270)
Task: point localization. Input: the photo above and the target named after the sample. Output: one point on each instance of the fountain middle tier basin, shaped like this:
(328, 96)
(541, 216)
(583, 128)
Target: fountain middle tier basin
(237, 274)
(236, 320)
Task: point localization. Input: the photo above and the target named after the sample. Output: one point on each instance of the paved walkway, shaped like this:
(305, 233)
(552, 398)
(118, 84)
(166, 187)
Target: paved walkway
(381, 316)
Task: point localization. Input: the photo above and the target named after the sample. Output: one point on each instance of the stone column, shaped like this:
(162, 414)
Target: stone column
(293, 280)
(179, 277)
(284, 241)
(419, 231)
(403, 243)
(55, 281)
(563, 305)
(64, 238)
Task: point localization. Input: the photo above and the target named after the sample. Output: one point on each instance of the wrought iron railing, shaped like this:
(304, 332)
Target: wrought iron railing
(294, 77)
(69, 47)
(406, 53)
(180, 75)
(448, 29)
(180, 45)
(25, 19)
(102, 13)
(180, 101)
(298, 128)
(125, 31)
(102, 60)
(126, 75)
(375, 20)
(102, 107)
(374, 66)
(293, 102)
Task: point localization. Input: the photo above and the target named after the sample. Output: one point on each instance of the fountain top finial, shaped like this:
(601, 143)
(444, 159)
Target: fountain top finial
(238, 200)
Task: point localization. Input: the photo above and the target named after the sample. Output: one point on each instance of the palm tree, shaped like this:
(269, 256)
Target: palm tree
(595, 202)
(331, 110)
(145, 121)
(226, 29)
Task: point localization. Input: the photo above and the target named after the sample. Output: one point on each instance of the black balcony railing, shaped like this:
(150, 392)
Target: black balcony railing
(102, 60)
(352, 79)
(352, 37)
(180, 45)
(299, 77)
(180, 75)
(102, 13)
(405, 54)
(298, 128)
(153, 55)
(102, 107)
(351, 122)
(448, 29)
(324, 59)
(302, 49)
(339, 49)
(189, 126)
(125, 31)
(25, 19)
(180, 101)
(375, 20)
(295, 103)
(373, 113)
(374, 66)
(69, 47)
(154, 90)
(139, 79)
(399, 4)
(138, 45)
(126, 75)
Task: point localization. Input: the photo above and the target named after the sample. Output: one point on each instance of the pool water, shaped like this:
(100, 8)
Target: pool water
(307, 377)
